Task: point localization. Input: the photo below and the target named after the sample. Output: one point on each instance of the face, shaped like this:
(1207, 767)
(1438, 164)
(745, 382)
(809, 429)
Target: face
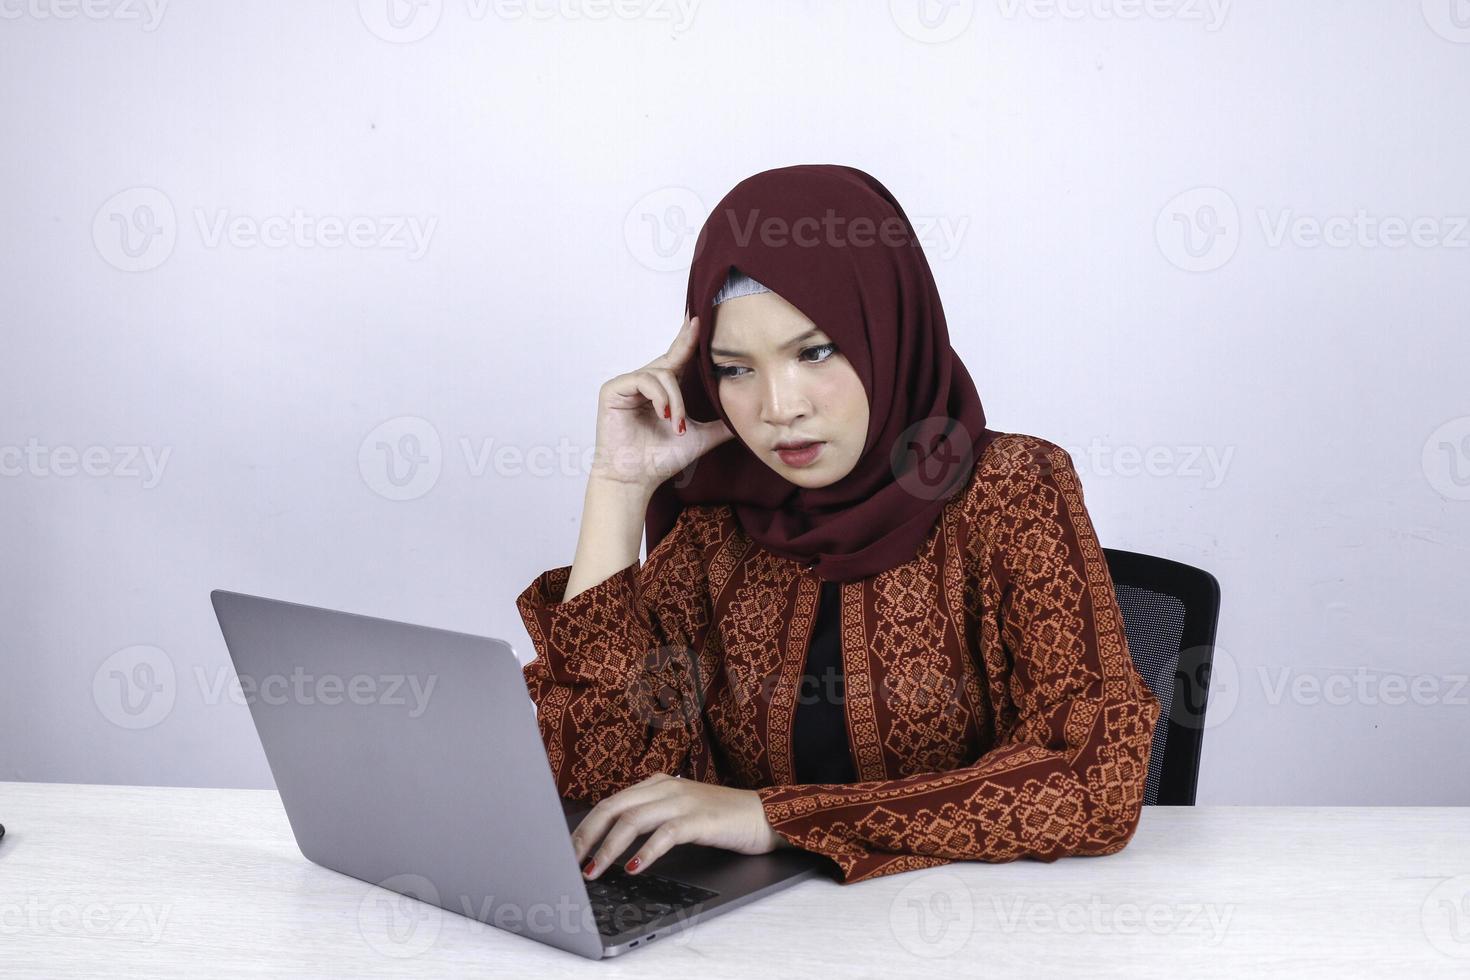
(781, 379)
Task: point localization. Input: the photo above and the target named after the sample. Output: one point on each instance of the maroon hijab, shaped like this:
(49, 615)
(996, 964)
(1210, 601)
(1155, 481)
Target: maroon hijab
(833, 242)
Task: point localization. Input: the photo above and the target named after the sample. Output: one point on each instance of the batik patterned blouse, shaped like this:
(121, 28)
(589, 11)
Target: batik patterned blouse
(992, 710)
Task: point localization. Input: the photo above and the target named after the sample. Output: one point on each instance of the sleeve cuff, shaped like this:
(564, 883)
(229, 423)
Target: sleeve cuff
(795, 814)
(586, 636)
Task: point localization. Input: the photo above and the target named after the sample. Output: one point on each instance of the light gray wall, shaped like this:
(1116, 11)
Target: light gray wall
(1119, 202)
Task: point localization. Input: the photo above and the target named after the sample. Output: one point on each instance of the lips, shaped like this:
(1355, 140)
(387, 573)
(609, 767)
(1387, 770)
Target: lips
(801, 457)
(794, 446)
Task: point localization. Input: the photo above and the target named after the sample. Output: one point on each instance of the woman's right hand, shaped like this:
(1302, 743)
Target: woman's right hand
(639, 416)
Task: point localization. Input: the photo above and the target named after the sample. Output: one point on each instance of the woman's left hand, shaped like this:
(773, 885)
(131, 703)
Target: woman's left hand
(677, 811)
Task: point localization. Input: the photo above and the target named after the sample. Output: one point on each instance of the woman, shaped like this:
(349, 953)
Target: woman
(938, 583)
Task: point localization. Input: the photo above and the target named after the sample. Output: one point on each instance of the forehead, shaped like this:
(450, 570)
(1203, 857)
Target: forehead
(761, 321)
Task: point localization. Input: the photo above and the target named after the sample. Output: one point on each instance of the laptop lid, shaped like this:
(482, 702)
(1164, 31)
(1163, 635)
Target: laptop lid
(405, 757)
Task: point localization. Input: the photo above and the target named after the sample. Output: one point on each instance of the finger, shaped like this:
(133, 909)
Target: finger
(670, 404)
(688, 330)
(683, 345)
(633, 823)
(589, 832)
(668, 833)
(601, 816)
(627, 388)
(675, 410)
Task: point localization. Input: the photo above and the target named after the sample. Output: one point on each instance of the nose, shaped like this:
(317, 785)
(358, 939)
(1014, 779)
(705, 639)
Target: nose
(784, 402)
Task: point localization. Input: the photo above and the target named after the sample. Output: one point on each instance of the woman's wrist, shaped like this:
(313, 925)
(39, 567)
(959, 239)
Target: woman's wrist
(603, 483)
(611, 534)
(774, 841)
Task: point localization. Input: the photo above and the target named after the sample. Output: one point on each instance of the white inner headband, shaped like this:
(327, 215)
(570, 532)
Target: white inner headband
(739, 284)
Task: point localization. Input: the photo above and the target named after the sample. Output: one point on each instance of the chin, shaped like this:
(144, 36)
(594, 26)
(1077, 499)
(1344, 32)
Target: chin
(812, 477)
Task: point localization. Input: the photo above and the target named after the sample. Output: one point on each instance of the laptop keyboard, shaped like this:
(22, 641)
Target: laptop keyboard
(621, 901)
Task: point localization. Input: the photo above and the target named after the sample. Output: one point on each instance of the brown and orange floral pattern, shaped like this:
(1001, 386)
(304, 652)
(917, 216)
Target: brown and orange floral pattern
(992, 708)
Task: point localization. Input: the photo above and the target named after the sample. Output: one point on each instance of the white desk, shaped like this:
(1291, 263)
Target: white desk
(168, 882)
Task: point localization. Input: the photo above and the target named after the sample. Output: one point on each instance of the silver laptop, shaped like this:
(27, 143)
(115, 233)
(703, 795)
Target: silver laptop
(409, 757)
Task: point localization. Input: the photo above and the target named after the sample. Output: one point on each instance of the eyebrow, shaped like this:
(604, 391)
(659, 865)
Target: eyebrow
(790, 343)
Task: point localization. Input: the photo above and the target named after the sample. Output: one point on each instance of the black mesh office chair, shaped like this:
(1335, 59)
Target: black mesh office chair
(1169, 614)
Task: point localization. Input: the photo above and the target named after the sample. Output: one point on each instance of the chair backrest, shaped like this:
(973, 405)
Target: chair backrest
(1169, 615)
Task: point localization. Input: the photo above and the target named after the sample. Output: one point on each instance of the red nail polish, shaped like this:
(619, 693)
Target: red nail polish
(632, 865)
(590, 864)
(681, 427)
(666, 411)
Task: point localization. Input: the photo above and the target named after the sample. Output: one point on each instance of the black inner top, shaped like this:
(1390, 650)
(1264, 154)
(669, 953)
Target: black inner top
(819, 734)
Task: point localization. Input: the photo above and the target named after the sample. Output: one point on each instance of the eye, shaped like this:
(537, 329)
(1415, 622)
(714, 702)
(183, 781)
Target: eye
(826, 350)
(829, 348)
